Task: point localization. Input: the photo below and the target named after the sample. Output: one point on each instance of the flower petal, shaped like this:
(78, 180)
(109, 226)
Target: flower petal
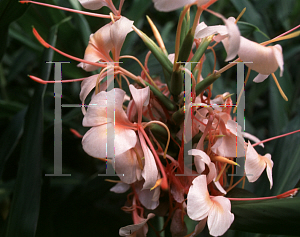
(277, 50)
(130, 229)
(141, 98)
(233, 38)
(219, 217)
(93, 4)
(118, 33)
(254, 165)
(260, 78)
(94, 141)
(198, 200)
(269, 162)
(167, 5)
(120, 188)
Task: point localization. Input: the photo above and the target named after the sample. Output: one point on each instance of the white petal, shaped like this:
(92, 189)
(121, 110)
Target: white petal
(254, 165)
(147, 198)
(94, 141)
(269, 162)
(233, 38)
(260, 78)
(128, 230)
(219, 217)
(120, 188)
(277, 50)
(252, 138)
(202, 31)
(198, 200)
(118, 33)
(170, 5)
(93, 4)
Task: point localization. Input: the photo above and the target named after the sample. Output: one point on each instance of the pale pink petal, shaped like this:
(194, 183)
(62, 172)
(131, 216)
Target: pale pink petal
(261, 59)
(127, 167)
(150, 172)
(269, 162)
(252, 138)
(277, 50)
(170, 5)
(202, 31)
(233, 38)
(171, 57)
(202, 2)
(93, 4)
(149, 199)
(94, 141)
(141, 98)
(254, 165)
(198, 200)
(178, 194)
(219, 217)
(260, 78)
(120, 188)
(219, 187)
(118, 33)
(130, 229)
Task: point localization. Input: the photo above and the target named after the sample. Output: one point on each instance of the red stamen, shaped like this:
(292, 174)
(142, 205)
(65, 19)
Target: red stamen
(289, 193)
(287, 32)
(44, 43)
(69, 10)
(41, 81)
(273, 138)
(77, 134)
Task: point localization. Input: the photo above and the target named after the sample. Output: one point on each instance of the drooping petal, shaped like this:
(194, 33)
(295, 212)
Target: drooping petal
(141, 98)
(262, 59)
(254, 165)
(252, 138)
(120, 188)
(170, 5)
(269, 162)
(219, 217)
(203, 31)
(130, 229)
(127, 167)
(93, 4)
(260, 78)
(118, 33)
(94, 141)
(97, 111)
(198, 200)
(149, 199)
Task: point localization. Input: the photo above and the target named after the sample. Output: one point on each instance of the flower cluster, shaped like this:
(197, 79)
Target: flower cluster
(149, 122)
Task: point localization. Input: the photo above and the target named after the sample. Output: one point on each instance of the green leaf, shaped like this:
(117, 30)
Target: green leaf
(277, 216)
(24, 212)
(248, 29)
(10, 10)
(10, 137)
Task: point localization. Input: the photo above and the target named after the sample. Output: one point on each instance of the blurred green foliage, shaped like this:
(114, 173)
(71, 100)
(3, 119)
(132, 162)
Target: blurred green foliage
(32, 204)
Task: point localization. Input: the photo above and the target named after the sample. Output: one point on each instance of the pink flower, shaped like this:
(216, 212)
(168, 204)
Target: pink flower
(262, 59)
(217, 209)
(97, 4)
(255, 165)
(171, 5)
(108, 38)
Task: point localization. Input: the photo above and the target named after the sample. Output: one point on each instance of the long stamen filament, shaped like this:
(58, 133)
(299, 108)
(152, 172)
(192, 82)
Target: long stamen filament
(41, 81)
(70, 10)
(168, 131)
(279, 87)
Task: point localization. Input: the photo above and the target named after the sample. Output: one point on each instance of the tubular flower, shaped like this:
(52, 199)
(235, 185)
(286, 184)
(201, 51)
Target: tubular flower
(230, 32)
(108, 38)
(255, 165)
(262, 59)
(216, 209)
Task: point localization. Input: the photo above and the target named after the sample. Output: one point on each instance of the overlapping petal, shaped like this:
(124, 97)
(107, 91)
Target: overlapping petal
(255, 165)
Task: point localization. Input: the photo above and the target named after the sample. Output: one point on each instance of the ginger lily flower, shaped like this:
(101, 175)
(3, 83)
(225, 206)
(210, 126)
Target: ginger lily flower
(108, 38)
(230, 32)
(265, 60)
(255, 165)
(94, 141)
(216, 209)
